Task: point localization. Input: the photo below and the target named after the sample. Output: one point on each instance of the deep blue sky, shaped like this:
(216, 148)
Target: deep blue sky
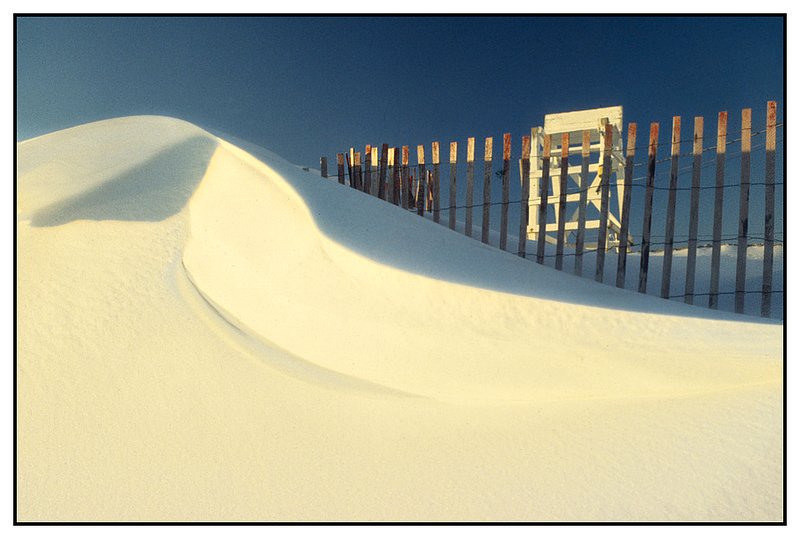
(304, 87)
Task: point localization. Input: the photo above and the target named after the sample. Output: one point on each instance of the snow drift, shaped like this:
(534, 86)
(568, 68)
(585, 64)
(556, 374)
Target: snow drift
(208, 332)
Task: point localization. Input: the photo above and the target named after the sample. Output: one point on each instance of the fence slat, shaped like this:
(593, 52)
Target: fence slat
(582, 202)
(694, 209)
(504, 207)
(605, 184)
(340, 167)
(374, 170)
(543, 189)
(367, 185)
(357, 169)
(350, 173)
(396, 185)
(390, 187)
(669, 232)
(769, 211)
(648, 207)
(744, 201)
(719, 189)
(451, 216)
(406, 186)
(625, 214)
(487, 188)
(525, 187)
(382, 173)
(470, 184)
(562, 201)
(323, 167)
(435, 186)
(421, 187)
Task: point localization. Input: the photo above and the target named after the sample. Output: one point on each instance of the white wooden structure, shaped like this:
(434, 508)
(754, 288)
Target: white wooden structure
(574, 123)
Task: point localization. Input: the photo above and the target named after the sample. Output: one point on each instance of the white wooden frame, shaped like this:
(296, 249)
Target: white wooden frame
(574, 123)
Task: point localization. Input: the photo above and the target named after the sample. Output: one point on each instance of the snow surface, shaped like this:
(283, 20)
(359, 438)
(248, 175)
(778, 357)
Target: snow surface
(207, 332)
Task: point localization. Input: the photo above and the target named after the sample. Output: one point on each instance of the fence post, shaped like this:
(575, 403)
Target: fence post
(625, 216)
(544, 185)
(605, 184)
(382, 193)
(435, 185)
(582, 202)
(470, 184)
(669, 233)
(406, 187)
(524, 207)
(340, 167)
(421, 187)
(648, 207)
(769, 210)
(323, 167)
(504, 207)
(719, 188)
(694, 209)
(562, 201)
(744, 200)
(487, 188)
(451, 216)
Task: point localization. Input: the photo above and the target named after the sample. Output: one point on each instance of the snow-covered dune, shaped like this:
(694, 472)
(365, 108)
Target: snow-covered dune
(208, 332)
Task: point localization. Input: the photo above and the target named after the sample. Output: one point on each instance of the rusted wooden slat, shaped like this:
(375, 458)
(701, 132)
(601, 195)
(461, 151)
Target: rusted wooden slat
(451, 215)
(562, 201)
(769, 211)
(719, 192)
(580, 236)
(544, 184)
(694, 209)
(382, 173)
(625, 215)
(605, 185)
(470, 185)
(435, 184)
(406, 188)
(744, 202)
(323, 167)
(374, 171)
(392, 178)
(350, 172)
(504, 207)
(394, 153)
(525, 187)
(340, 167)
(357, 169)
(367, 185)
(487, 188)
(648, 207)
(421, 187)
(669, 232)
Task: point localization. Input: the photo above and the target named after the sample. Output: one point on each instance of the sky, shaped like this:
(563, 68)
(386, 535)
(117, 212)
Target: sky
(304, 87)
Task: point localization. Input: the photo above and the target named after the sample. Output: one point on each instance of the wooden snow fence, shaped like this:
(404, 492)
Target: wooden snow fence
(389, 176)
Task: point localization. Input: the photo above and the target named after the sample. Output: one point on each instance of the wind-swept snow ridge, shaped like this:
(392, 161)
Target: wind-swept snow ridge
(208, 332)
(259, 247)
